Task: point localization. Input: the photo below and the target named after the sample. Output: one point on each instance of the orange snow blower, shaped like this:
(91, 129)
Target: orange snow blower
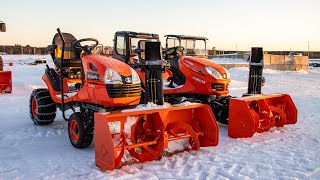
(5, 76)
(146, 135)
(257, 113)
(5, 79)
(151, 133)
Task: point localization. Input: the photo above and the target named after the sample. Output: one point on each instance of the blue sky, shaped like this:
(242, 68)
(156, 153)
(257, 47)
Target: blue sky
(272, 24)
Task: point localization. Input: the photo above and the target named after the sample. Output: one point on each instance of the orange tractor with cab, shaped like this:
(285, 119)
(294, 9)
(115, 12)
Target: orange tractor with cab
(194, 79)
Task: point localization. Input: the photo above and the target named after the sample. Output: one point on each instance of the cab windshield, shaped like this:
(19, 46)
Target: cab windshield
(192, 47)
(136, 43)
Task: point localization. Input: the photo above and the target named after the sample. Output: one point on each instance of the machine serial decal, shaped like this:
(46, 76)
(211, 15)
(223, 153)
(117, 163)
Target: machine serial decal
(199, 80)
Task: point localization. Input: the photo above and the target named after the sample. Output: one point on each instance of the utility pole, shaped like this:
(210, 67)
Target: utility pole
(308, 49)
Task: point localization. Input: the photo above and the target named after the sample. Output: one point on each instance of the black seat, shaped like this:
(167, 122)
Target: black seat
(178, 77)
(71, 57)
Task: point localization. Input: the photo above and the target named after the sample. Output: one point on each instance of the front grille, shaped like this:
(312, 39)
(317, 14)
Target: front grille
(123, 90)
(217, 87)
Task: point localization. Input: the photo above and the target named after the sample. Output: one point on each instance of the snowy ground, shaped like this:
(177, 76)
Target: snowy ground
(22, 59)
(34, 152)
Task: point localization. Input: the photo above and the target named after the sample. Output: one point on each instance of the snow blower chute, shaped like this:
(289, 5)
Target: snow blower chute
(254, 112)
(145, 134)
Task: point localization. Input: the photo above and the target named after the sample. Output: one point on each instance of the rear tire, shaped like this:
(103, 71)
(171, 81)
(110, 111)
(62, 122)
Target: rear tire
(41, 107)
(80, 129)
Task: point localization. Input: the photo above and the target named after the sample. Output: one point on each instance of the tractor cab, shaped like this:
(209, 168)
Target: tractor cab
(193, 45)
(129, 46)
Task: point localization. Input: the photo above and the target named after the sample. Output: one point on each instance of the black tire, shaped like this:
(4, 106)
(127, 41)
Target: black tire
(41, 107)
(83, 130)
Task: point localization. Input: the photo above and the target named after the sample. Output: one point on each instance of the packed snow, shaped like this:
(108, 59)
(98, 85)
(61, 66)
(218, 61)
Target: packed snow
(44, 152)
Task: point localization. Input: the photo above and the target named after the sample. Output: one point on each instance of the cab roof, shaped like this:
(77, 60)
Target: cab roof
(137, 34)
(187, 37)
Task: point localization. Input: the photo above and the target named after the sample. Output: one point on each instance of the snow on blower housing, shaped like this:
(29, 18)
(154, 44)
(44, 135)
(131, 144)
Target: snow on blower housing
(104, 91)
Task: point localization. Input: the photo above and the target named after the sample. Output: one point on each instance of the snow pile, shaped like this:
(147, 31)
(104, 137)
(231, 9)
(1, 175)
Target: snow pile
(148, 106)
(129, 123)
(44, 152)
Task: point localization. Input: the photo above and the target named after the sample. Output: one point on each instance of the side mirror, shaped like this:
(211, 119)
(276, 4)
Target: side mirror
(2, 27)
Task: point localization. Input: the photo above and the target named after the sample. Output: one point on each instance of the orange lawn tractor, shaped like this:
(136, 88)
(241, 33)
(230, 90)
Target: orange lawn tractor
(101, 92)
(200, 80)
(82, 80)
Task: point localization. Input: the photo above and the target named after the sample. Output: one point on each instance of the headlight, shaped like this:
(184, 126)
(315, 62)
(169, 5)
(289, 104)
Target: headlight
(112, 77)
(135, 77)
(213, 72)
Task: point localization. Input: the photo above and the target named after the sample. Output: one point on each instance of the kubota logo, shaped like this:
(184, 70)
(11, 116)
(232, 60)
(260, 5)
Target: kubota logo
(128, 80)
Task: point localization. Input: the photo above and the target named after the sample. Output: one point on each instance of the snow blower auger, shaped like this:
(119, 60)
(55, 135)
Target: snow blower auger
(257, 113)
(146, 134)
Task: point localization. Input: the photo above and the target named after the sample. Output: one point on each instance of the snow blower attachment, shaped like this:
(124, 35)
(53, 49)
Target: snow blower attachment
(145, 135)
(5, 76)
(5, 79)
(257, 113)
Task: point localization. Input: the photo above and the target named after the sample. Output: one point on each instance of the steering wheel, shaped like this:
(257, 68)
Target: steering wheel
(172, 52)
(77, 44)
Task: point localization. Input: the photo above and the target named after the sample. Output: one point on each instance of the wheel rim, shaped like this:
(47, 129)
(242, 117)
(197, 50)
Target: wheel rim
(74, 131)
(34, 107)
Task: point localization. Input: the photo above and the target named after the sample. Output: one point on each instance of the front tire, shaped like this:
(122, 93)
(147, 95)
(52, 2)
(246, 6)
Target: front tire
(80, 129)
(41, 107)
